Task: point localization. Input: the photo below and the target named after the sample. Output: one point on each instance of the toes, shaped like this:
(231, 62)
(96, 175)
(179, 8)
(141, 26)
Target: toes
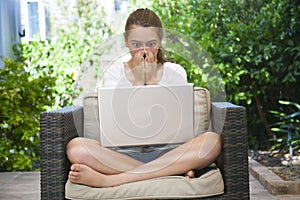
(75, 177)
(73, 173)
(190, 174)
(75, 167)
(72, 176)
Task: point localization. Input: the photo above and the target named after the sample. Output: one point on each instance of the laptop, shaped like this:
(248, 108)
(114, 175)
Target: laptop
(146, 115)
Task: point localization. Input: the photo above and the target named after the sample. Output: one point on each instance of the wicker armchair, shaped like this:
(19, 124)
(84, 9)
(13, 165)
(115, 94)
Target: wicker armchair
(58, 127)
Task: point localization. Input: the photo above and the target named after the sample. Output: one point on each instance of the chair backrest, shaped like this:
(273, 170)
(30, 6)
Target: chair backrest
(202, 109)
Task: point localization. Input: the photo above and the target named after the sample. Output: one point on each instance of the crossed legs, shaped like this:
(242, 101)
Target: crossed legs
(98, 166)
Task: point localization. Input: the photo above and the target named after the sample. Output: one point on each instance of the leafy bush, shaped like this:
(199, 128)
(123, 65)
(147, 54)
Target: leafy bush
(72, 48)
(23, 97)
(287, 129)
(44, 79)
(255, 45)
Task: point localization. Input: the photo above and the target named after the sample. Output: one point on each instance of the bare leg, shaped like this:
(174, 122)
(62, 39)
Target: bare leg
(89, 152)
(198, 153)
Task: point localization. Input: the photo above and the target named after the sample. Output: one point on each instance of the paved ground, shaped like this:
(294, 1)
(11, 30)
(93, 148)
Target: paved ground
(20, 185)
(257, 191)
(26, 186)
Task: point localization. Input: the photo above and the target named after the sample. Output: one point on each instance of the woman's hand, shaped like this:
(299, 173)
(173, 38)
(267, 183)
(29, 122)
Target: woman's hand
(151, 68)
(135, 68)
(142, 68)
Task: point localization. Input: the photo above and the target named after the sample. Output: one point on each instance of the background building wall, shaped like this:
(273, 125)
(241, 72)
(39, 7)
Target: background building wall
(10, 27)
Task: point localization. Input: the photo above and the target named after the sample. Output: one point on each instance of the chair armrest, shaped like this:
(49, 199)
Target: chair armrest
(58, 127)
(230, 122)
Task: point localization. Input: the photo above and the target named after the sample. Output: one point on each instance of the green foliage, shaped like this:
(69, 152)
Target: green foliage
(61, 58)
(72, 48)
(44, 78)
(23, 97)
(255, 45)
(287, 129)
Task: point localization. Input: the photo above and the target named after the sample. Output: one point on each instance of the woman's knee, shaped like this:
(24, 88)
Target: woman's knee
(77, 150)
(211, 145)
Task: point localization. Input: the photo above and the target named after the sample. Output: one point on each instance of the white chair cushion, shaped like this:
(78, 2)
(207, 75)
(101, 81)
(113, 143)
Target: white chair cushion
(169, 187)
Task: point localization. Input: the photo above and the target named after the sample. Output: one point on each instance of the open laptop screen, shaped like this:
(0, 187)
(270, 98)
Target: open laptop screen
(146, 115)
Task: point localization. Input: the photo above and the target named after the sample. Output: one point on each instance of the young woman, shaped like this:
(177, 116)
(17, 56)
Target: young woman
(98, 166)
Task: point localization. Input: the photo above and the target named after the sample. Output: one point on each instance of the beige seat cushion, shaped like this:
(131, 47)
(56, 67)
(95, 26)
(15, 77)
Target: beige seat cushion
(171, 187)
(201, 113)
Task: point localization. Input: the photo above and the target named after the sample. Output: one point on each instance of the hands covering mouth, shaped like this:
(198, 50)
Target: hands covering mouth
(142, 68)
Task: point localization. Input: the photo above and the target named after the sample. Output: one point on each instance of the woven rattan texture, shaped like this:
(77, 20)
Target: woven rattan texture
(233, 161)
(58, 127)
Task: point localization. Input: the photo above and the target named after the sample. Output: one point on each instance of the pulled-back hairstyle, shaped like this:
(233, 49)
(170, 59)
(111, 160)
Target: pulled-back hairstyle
(146, 18)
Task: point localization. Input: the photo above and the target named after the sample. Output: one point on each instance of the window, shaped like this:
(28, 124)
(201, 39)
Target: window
(33, 19)
(36, 20)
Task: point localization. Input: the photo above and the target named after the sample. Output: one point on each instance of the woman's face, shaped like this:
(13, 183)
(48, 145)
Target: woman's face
(145, 38)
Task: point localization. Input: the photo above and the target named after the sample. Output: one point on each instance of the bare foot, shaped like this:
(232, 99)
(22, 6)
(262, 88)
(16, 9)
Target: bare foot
(190, 174)
(82, 174)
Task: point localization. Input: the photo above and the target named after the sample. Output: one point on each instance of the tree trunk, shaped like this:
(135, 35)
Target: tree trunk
(263, 117)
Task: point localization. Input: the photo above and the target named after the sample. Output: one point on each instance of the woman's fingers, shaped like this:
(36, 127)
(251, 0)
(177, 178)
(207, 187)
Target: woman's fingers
(150, 56)
(151, 67)
(135, 68)
(142, 68)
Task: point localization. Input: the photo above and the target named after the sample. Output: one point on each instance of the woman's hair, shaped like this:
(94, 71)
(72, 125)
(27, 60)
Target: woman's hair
(146, 18)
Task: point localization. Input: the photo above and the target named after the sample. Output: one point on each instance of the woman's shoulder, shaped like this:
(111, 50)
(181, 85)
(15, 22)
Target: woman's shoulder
(113, 74)
(173, 73)
(174, 67)
(114, 67)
